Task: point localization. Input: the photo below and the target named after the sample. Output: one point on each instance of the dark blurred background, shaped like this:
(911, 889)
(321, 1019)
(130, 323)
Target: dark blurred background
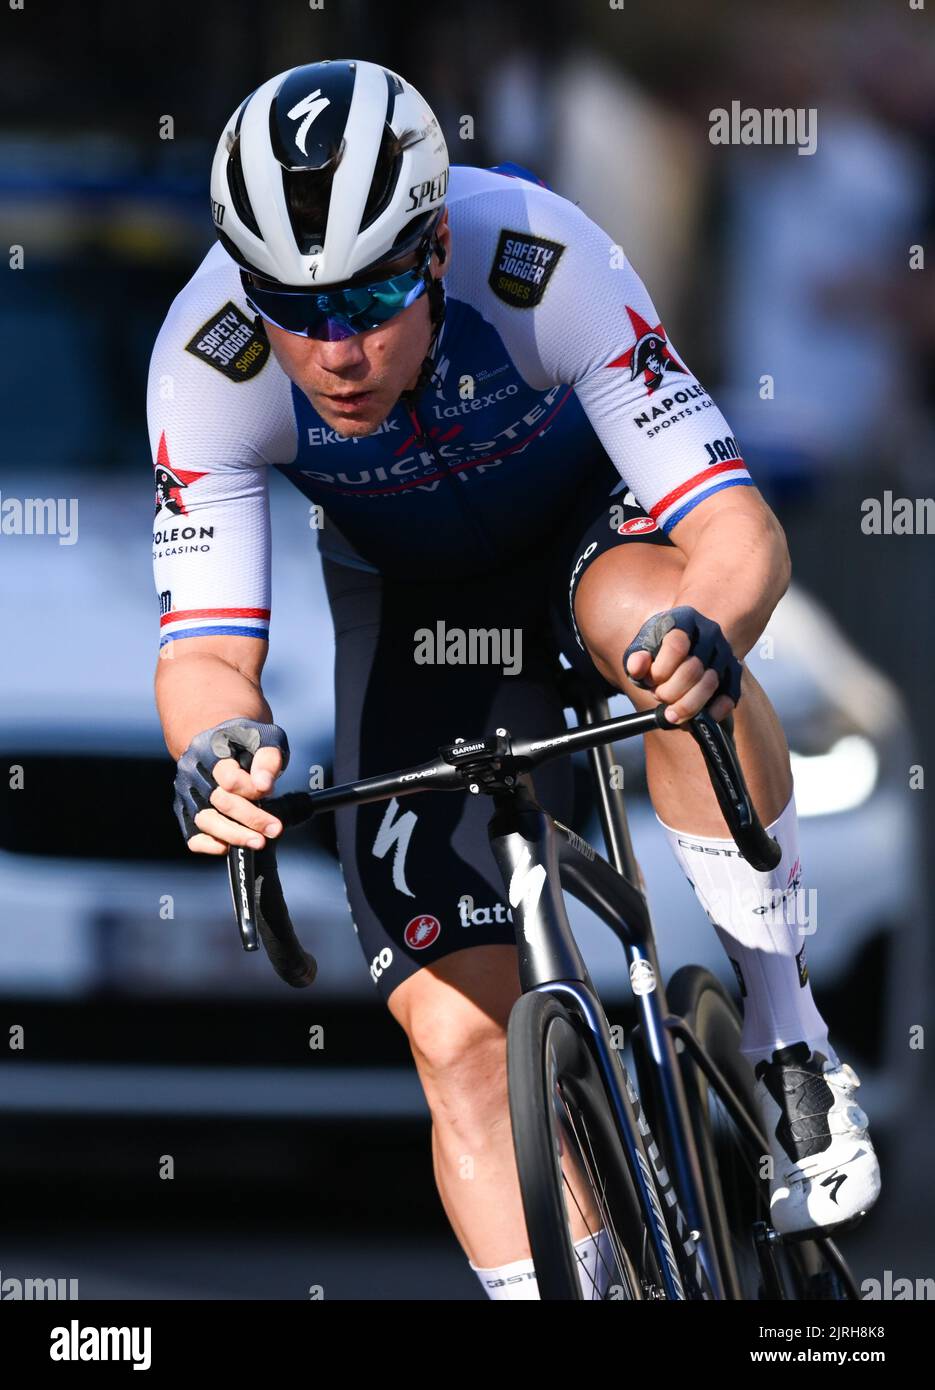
(146, 1031)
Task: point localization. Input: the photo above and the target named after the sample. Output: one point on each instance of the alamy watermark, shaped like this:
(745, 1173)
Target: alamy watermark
(38, 1290)
(895, 1288)
(897, 516)
(772, 126)
(473, 646)
(77, 1343)
(40, 516)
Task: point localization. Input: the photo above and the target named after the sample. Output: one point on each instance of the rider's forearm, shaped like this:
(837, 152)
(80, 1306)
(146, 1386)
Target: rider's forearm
(737, 572)
(198, 690)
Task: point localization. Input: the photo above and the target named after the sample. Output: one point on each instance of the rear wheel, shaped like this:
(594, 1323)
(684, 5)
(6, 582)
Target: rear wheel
(573, 1170)
(731, 1163)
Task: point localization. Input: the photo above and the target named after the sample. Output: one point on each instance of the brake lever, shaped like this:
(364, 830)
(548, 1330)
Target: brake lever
(241, 874)
(716, 742)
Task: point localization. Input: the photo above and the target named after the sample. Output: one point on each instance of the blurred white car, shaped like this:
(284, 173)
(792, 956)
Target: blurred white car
(97, 887)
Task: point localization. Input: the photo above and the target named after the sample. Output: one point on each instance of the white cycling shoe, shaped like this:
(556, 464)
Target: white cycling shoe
(825, 1170)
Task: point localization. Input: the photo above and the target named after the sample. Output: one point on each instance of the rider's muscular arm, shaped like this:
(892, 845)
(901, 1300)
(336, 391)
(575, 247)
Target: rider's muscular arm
(737, 570)
(202, 681)
(738, 565)
(213, 438)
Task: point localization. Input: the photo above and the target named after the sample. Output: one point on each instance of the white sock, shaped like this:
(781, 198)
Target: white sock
(518, 1280)
(761, 921)
(513, 1281)
(595, 1264)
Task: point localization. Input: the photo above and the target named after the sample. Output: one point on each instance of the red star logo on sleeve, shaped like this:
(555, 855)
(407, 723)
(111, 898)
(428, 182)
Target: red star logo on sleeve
(170, 481)
(649, 355)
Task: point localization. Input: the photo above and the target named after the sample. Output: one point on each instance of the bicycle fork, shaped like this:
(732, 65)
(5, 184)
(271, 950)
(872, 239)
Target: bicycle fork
(652, 1180)
(535, 856)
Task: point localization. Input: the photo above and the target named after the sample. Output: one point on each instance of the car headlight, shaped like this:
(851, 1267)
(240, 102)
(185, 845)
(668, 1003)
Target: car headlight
(839, 779)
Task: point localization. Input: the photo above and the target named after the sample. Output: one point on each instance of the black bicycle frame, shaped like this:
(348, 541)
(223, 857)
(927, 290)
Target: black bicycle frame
(538, 857)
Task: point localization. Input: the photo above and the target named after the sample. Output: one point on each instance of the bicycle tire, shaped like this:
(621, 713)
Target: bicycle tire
(730, 1164)
(558, 1102)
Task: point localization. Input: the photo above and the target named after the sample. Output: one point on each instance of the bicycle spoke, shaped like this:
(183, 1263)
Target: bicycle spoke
(586, 1152)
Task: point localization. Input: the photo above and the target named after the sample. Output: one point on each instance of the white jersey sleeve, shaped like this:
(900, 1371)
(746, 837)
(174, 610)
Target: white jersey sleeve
(219, 413)
(572, 309)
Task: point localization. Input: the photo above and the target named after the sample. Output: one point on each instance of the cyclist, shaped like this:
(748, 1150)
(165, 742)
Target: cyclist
(467, 377)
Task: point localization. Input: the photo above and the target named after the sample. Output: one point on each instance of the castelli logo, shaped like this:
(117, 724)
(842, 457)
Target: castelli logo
(421, 932)
(636, 525)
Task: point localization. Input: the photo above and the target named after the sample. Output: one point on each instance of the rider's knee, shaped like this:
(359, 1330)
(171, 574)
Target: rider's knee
(457, 1035)
(619, 591)
(455, 1042)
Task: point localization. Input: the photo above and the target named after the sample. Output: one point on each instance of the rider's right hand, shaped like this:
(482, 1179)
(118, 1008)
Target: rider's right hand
(237, 820)
(215, 797)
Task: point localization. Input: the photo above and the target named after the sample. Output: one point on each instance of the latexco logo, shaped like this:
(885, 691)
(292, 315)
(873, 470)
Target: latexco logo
(472, 916)
(381, 962)
(77, 1343)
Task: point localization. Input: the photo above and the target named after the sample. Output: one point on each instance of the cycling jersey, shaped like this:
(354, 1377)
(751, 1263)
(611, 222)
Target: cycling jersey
(551, 357)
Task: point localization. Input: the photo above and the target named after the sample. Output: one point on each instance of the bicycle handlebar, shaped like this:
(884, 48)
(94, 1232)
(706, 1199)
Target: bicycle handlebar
(487, 765)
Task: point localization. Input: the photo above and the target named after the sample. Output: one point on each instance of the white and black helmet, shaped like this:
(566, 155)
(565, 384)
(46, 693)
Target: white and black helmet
(325, 170)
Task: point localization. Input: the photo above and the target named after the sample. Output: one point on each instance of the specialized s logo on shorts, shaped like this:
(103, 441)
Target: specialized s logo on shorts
(230, 343)
(522, 268)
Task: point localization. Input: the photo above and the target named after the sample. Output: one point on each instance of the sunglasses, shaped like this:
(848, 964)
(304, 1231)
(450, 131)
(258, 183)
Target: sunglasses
(338, 313)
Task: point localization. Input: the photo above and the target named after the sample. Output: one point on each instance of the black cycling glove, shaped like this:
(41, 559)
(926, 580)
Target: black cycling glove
(235, 738)
(707, 640)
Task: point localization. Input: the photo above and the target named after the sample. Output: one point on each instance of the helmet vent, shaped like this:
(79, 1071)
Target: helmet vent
(386, 173)
(238, 189)
(308, 197)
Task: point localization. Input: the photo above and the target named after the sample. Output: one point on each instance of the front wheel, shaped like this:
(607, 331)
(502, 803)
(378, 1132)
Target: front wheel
(573, 1171)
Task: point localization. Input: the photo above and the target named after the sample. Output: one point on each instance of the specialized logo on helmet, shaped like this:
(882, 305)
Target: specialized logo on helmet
(421, 932)
(309, 107)
(170, 482)
(429, 190)
(649, 355)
